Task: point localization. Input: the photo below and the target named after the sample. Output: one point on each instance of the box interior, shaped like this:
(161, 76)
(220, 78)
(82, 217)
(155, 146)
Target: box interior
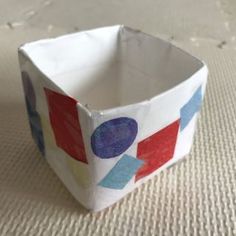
(112, 66)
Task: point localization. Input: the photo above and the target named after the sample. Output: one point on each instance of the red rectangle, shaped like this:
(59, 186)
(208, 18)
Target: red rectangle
(65, 124)
(157, 149)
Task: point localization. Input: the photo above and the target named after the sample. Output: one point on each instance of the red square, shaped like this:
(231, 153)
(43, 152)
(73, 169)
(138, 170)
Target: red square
(65, 124)
(157, 149)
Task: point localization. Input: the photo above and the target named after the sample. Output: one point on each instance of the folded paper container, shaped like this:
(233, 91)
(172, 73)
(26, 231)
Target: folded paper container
(110, 108)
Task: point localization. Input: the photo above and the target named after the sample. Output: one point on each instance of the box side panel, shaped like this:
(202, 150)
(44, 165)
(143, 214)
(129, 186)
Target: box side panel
(58, 113)
(164, 135)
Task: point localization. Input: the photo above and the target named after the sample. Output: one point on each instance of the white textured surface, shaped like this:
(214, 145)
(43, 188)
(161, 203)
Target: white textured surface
(195, 197)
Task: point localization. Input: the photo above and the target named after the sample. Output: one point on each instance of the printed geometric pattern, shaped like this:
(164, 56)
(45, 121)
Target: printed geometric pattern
(190, 108)
(121, 173)
(157, 149)
(65, 124)
(34, 117)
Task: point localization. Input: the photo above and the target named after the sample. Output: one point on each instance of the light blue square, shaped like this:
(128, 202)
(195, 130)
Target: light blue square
(190, 108)
(121, 173)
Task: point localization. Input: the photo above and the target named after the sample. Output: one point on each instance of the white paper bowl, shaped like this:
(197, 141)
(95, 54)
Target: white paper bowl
(111, 107)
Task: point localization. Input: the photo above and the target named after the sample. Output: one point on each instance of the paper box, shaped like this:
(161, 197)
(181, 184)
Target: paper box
(110, 108)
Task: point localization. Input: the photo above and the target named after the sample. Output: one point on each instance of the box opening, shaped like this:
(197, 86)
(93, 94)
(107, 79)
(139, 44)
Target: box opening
(112, 66)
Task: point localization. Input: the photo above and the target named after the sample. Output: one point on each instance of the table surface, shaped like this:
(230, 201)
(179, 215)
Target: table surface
(195, 197)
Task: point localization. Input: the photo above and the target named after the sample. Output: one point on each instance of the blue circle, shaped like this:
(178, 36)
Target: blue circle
(28, 89)
(113, 137)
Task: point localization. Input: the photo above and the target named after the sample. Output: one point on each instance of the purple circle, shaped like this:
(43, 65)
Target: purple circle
(28, 89)
(34, 117)
(113, 137)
